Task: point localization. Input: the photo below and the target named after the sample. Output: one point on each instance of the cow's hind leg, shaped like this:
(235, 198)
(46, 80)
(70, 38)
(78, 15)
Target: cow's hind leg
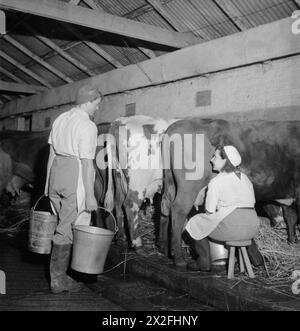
(163, 236)
(121, 234)
(179, 216)
(290, 217)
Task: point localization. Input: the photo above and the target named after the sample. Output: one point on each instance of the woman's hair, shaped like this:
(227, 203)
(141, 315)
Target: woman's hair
(228, 167)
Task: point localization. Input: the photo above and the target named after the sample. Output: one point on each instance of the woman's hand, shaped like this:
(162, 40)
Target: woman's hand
(200, 198)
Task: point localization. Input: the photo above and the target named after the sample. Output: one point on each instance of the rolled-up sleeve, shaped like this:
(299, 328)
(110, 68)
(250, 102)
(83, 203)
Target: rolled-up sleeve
(87, 141)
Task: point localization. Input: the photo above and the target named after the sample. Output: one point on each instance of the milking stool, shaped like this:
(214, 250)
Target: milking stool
(243, 256)
(2, 282)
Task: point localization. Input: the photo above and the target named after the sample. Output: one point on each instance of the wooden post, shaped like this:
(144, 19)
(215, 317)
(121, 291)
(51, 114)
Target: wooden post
(2, 282)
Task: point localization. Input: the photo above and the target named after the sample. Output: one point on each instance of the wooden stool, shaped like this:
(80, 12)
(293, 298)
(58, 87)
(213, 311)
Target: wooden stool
(2, 282)
(243, 256)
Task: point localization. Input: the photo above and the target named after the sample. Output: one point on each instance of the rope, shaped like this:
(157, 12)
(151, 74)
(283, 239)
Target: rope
(15, 227)
(120, 263)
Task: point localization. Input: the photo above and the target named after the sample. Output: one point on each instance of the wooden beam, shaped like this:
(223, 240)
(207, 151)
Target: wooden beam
(59, 51)
(74, 2)
(100, 51)
(11, 75)
(24, 69)
(62, 11)
(93, 4)
(232, 12)
(2, 22)
(272, 41)
(6, 97)
(148, 52)
(106, 56)
(36, 58)
(20, 88)
(97, 49)
(157, 5)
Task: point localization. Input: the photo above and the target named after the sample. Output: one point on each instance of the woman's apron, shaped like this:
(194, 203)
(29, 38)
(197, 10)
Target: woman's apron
(201, 225)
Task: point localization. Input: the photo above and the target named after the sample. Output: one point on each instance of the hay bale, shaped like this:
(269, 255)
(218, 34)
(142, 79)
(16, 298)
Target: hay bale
(281, 258)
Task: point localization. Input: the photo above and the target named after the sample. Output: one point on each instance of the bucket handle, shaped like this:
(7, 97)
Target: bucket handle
(116, 227)
(40, 199)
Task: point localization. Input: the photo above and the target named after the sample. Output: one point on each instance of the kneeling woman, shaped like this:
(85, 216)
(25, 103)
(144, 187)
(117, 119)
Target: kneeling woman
(229, 205)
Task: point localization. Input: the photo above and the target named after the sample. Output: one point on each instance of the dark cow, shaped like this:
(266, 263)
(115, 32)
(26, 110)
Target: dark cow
(23, 161)
(270, 153)
(27, 155)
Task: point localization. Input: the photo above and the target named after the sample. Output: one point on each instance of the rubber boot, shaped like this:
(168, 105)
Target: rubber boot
(255, 255)
(59, 263)
(203, 262)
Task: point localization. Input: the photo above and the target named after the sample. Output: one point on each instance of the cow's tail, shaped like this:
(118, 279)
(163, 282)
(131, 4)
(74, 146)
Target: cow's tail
(111, 161)
(169, 186)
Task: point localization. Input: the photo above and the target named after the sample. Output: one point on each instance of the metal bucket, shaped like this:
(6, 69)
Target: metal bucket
(42, 226)
(218, 253)
(90, 247)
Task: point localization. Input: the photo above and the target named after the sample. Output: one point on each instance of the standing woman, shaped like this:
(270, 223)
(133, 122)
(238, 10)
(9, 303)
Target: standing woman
(70, 180)
(229, 208)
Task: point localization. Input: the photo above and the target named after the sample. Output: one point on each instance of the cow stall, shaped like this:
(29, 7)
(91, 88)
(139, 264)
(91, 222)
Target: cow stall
(200, 73)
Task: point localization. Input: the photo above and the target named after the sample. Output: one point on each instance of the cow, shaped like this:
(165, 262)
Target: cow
(24, 155)
(134, 153)
(23, 162)
(270, 153)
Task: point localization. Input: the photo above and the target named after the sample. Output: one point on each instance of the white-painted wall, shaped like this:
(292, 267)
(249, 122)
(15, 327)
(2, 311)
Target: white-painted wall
(260, 88)
(233, 69)
(270, 90)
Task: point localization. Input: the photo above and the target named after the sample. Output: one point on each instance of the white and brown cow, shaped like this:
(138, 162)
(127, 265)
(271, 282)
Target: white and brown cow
(135, 168)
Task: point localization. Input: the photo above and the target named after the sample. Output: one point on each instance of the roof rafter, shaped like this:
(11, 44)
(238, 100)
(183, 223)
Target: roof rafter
(14, 78)
(62, 11)
(95, 47)
(231, 11)
(20, 88)
(150, 54)
(74, 2)
(24, 69)
(297, 3)
(11, 75)
(157, 5)
(36, 58)
(100, 51)
(6, 97)
(60, 51)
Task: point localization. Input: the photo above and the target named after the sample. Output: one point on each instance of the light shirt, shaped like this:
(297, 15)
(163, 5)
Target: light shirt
(226, 189)
(74, 134)
(225, 193)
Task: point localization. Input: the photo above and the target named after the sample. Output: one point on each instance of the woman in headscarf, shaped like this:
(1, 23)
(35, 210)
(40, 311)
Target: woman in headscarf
(229, 207)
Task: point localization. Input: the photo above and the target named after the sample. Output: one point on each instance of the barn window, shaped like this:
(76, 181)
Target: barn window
(130, 109)
(24, 123)
(28, 123)
(203, 98)
(47, 122)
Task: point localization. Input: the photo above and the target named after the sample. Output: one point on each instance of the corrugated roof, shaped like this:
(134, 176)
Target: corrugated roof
(205, 19)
